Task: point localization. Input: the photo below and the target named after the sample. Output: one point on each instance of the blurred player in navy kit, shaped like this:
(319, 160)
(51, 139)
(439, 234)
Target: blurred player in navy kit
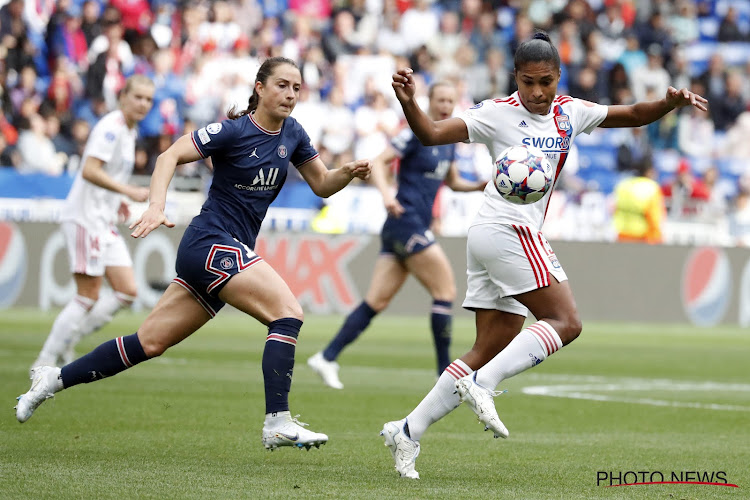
(216, 264)
(408, 245)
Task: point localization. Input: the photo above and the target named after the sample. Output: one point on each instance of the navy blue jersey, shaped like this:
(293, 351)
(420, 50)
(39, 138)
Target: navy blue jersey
(422, 172)
(250, 166)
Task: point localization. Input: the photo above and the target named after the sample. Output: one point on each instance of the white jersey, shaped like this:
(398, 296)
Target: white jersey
(112, 142)
(501, 123)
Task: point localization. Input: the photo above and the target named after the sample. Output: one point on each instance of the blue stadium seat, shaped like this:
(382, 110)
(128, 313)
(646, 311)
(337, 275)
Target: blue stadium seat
(15, 185)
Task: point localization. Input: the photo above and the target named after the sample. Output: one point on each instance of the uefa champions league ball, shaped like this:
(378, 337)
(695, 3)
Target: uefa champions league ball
(523, 174)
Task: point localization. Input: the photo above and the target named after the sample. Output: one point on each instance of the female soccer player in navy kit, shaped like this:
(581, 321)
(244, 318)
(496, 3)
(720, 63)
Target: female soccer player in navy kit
(511, 267)
(216, 264)
(407, 242)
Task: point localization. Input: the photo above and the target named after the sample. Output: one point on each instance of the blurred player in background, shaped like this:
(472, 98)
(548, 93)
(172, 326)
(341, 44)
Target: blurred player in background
(93, 207)
(510, 265)
(408, 245)
(216, 264)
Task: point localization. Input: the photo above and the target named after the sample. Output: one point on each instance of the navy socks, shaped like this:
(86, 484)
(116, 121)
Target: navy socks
(357, 321)
(110, 358)
(278, 362)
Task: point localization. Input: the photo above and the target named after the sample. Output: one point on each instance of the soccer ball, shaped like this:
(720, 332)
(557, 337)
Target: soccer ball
(523, 174)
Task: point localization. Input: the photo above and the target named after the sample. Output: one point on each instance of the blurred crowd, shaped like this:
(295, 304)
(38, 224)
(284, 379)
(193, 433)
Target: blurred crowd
(63, 62)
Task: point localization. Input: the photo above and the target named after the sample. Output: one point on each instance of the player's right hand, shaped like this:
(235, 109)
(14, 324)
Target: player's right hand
(152, 218)
(393, 207)
(138, 193)
(403, 84)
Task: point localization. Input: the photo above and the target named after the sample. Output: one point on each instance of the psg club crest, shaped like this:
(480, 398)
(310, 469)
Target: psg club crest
(281, 151)
(214, 128)
(226, 263)
(563, 122)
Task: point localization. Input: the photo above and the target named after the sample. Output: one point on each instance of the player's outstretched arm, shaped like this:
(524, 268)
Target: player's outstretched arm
(182, 151)
(379, 179)
(93, 171)
(643, 113)
(428, 132)
(324, 182)
(454, 181)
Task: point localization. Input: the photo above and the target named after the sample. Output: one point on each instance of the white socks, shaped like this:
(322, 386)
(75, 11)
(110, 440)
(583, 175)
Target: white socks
(62, 329)
(278, 418)
(528, 349)
(102, 312)
(80, 317)
(439, 402)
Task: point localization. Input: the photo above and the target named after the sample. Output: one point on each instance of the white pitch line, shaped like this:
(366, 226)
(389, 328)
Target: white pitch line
(591, 391)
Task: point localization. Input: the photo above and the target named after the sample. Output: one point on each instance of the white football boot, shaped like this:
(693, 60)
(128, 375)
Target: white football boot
(480, 400)
(403, 448)
(328, 370)
(286, 430)
(45, 383)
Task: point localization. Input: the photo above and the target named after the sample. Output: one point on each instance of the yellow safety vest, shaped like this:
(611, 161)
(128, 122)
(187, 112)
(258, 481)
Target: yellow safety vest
(639, 209)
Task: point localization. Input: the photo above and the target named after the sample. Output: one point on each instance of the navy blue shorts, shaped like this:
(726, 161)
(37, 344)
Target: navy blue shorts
(405, 236)
(206, 259)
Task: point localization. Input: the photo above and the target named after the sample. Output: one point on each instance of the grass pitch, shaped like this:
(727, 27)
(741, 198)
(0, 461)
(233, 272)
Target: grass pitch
(621, 398)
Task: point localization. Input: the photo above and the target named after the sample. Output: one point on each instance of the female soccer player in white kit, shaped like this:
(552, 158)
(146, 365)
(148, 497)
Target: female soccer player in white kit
(511, 267)
(95, 247)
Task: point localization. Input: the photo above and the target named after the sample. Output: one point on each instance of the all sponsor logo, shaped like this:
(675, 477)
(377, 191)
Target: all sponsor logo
(12, 263)
(706, 286)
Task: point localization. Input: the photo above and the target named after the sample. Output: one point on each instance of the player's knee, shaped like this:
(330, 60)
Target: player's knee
(572, 328)
(152, 347)
(129, 292)
(446, 293)
(293, 311)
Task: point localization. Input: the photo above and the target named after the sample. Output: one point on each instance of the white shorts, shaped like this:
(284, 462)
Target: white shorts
(503, 260)
(91, 253)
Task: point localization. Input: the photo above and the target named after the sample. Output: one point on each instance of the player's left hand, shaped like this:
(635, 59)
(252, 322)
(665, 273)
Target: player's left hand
(152, 218)
(683, 97)
(123, 213)
(358, 168)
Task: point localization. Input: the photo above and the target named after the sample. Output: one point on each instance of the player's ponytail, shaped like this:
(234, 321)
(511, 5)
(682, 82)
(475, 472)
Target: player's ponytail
(265, 70)
(538, 49)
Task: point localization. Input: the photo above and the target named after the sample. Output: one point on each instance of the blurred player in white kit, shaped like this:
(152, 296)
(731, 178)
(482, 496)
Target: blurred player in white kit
(95, 203)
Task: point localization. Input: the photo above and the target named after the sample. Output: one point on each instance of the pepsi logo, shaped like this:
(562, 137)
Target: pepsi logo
(706, 286)
(12, 263)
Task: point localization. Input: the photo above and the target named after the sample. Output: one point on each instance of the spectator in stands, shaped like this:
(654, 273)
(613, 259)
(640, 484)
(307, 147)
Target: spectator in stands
(619, 85)
(727, 106)
(639, 206)
(714, 77)
(736, 144)
(683, 24)
(338, 128)
(445, 42)
(729, 30)
(339, 40)
(26, 89)
(419, 24)
(654, 32)
(685, 194)
(679, 70)
(9, 157)
(739, 215)
(567, 39)
(90, 25)
(36, 150)
(633, 57)
(695, 134)
(653, 75)
(635, 153)
(486, 35)
(376, 123)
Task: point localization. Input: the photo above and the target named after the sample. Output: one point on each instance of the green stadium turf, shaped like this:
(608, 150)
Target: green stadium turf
(630, 398)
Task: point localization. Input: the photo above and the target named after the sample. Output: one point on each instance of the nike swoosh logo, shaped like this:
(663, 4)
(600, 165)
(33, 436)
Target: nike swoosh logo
(287, 436)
